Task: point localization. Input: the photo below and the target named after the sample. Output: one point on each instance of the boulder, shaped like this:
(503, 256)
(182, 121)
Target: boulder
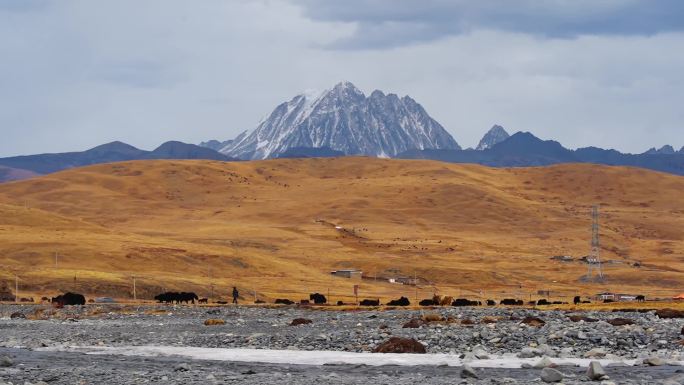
(17, 315)
(6, 362)
(480, 353)
(530, 353)
(413, 324)
(214, 321)
(595, 353)
(595, 371)
(620, 321)
(670, 313)
(551, 375)
(300, 321)
(545, 362)
(533, 321)
(578, 318)
(467, 321)
(400, 345)
(468, 372)
(654, 361)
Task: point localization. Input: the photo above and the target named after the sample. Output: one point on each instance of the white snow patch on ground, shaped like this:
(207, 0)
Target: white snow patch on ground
(301, 357)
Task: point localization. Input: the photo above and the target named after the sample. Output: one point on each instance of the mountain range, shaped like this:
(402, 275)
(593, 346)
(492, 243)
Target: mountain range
(523, 149)
(22, 167)
(343, 121)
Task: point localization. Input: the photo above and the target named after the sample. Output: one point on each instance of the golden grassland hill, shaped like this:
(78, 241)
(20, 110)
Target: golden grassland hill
(278, 227)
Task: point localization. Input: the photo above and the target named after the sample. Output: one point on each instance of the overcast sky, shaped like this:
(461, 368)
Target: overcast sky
(75, 74)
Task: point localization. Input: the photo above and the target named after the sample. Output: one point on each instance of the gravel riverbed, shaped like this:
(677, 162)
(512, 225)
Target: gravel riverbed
(33, 345)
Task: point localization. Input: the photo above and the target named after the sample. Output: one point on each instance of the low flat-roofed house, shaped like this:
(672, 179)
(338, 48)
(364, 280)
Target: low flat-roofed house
(605, 296)
(348, 273)
(617, 297)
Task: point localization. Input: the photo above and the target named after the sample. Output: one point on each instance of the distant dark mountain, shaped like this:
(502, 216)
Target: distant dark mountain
(215, 144)
(106, 153)
(47, 163)
(8, 174)
(495, 135)
(524, 149)
(310, 152)
(665, 150)
(180, 150)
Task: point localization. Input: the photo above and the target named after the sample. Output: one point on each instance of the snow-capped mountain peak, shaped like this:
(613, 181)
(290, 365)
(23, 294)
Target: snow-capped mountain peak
(343, 119)
(495, 135)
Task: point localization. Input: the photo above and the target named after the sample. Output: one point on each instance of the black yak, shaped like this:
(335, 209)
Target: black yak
(403, 301)
(318, 298)
(69, 299)
(464, 302)
(427, 302)
(370, 302)
(173, 297)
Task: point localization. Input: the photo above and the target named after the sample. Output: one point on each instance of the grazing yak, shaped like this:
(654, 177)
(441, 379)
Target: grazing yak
(640, 298)
(491, 302)
(465, 302)
(203, 300)
(68, 299)
(318, 298)
(577, 300)
(283, 301)
(403, 301)
(370, 302)
(511, 302)
(173, 297)
(543, 301)
(427, 302)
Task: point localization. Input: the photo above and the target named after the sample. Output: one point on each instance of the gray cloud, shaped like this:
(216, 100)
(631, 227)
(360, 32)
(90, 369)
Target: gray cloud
(78, 73)
(392, 23)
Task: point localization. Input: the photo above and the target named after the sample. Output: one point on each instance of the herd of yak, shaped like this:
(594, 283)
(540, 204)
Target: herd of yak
(317, 298)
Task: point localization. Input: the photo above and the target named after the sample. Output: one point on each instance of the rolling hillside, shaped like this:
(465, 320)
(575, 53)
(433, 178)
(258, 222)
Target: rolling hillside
(279, 226)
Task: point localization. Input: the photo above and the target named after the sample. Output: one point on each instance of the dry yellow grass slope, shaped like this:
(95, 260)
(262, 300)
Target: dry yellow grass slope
(270, 226)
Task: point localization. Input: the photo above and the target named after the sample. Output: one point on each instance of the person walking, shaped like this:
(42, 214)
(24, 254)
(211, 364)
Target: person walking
(236, 294)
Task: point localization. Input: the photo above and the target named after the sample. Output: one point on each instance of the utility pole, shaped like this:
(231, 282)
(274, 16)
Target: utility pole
(594, 256)
(415, 283)
(16, 288)
(55, 259)
(135, 297)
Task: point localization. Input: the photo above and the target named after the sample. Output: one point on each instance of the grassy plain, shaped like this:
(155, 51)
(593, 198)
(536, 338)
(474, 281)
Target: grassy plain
(278, 227)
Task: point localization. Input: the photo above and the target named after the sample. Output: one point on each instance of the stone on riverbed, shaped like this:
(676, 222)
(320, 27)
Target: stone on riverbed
(654, 361)
(468, 372)
(400, 345)
(6, 362)
(300, 321)
(551, 375)
(596, 372)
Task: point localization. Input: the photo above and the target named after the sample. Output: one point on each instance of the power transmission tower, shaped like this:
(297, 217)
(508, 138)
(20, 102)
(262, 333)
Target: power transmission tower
(594, 257)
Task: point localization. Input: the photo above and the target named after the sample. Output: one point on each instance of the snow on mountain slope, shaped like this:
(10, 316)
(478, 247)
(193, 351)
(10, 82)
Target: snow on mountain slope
(345, 120)
(495, 135)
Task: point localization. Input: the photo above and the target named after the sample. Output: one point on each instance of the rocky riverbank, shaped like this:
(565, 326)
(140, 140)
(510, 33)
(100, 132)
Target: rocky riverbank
(472, 334)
